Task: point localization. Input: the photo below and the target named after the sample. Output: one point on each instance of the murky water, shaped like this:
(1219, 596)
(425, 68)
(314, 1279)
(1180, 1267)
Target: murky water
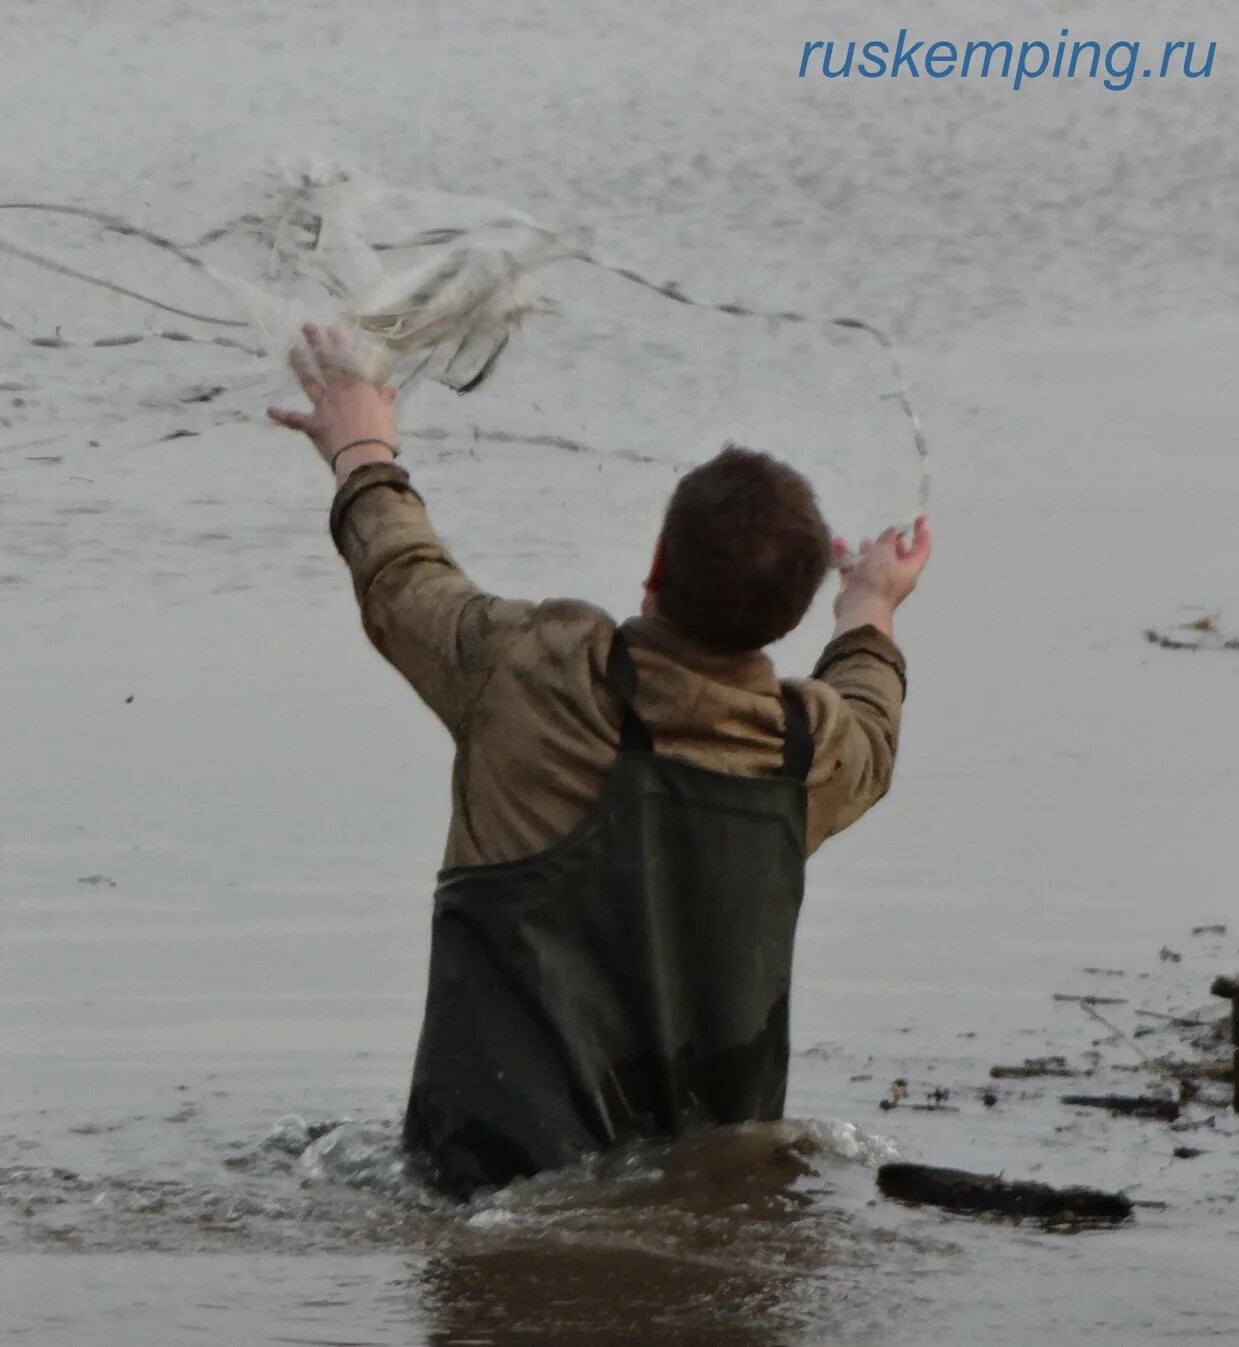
(221, 816)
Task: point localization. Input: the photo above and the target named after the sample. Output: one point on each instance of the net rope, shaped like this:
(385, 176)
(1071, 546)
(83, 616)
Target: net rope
(449, 317)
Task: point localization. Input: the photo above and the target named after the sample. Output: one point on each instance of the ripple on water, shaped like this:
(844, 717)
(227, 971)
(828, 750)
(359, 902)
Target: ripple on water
(344, 1183)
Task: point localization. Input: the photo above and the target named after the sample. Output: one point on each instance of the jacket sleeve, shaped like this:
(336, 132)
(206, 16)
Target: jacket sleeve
(855, 700)
(419, 609)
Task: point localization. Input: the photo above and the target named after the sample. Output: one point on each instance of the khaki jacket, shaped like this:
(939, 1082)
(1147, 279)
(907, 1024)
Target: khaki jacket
(520, 687)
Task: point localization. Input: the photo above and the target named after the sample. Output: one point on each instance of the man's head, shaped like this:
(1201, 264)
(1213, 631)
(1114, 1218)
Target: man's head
(743, 551)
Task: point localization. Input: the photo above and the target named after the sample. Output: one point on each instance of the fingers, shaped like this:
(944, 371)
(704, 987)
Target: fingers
(338, 358)
(325, 354)
(306, 370)
(894, 538)
(333, 351)
(317, 340)
(842, 559)
(283, 416)
(920, 546)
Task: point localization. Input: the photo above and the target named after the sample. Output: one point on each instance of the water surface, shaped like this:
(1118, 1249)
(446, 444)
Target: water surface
(221, 815)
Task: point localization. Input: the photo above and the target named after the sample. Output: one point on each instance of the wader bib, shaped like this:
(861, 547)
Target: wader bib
(629, 982)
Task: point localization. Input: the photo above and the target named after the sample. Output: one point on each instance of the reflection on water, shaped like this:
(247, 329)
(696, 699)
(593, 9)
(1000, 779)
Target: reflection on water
(735, 1237)
(576, 1293)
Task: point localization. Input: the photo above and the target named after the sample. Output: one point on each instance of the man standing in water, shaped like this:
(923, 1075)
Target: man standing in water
(633, 805)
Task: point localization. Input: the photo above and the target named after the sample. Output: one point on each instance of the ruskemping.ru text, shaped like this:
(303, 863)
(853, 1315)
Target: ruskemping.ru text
(1116, 64)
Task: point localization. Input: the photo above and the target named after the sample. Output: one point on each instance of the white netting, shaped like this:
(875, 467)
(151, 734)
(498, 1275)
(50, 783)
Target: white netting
(434, 286)
(421, 298)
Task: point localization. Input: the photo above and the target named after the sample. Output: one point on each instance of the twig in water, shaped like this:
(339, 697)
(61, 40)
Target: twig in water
(1170, 643)
(1187, 1088)
(1178, 1021)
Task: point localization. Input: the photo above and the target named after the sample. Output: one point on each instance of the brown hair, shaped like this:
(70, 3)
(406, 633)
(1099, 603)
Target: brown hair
(745, 549)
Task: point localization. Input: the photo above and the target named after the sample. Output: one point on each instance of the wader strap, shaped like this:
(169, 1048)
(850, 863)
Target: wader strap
(622, 680)
(797, 740)
(798, 744)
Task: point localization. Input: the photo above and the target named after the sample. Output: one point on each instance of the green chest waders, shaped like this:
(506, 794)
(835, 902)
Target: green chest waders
(630, 982)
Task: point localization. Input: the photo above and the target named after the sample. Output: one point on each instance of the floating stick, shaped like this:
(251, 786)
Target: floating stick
(957, 1190)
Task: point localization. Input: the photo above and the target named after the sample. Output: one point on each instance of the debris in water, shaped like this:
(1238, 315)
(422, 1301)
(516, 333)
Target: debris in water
(1228, 988)
(1221, 1072)
(937, 1102)
(1035, 1068)
(1208, 638)
(898, 1091)
(1126, 1105)
(1178, 1021)
(957, 1190)
(1210, 1122)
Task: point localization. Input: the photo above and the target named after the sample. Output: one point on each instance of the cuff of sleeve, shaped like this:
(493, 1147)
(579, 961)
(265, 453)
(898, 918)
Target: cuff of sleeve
(867, 640)
(356, 483)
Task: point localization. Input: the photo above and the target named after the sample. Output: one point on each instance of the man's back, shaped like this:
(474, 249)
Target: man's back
(522, 688)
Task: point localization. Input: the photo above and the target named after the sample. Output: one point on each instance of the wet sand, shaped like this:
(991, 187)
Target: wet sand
(211, 918)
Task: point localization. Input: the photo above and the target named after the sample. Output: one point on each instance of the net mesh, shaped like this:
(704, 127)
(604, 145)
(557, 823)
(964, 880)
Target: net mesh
(434, 287)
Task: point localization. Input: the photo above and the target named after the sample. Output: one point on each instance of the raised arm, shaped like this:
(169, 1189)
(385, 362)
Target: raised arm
(419, 609)
(858, 684)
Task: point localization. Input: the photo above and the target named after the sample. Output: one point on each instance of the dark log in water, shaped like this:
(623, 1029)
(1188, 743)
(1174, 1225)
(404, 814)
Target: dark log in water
(957, 1190)
(1128, 1105)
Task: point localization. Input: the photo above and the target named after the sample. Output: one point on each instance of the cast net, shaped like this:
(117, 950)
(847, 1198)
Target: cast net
(554, 343)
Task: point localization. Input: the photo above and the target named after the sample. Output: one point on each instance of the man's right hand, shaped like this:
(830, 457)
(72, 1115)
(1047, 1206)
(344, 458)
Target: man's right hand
(347, 407)
(885, 574)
